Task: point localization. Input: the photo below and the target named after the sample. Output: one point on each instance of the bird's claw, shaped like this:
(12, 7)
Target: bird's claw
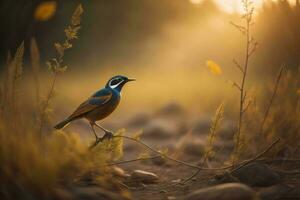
(108, 135)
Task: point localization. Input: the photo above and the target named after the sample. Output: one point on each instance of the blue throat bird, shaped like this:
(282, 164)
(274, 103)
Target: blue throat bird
(99, 105)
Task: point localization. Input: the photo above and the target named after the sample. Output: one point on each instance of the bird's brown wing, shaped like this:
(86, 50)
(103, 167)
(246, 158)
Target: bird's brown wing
(90, 104)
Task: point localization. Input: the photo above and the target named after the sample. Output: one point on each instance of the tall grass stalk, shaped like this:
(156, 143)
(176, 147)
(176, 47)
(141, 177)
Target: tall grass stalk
(214, 128)
(251, 46)
(56, 66)
(35, 64)
(279, 76)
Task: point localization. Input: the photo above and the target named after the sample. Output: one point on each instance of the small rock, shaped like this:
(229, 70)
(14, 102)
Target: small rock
(144, 177)
(258, 175)
(59, 193)
(94, 193)
(176, 181)
(275, 192)
(159, 161)
(119, 172)
(226, 178)
(294, 193)
(228, 191)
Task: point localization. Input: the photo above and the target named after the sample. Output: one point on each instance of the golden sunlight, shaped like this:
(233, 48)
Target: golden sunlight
(236, 5)
(196, 1)
(232, 6)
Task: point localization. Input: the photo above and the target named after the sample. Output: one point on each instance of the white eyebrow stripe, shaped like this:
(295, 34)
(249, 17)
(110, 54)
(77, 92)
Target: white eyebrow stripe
(116, 85)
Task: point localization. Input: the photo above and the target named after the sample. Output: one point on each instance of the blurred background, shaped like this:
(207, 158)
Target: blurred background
(164, 44)
(183, 103)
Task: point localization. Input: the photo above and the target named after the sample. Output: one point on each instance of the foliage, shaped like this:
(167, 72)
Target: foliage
(215, 127)
(56, 66)
(71, 33)
(113, 148)
(33, 168)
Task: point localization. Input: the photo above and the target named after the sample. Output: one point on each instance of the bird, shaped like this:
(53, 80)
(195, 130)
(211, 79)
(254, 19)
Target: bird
(99, 106)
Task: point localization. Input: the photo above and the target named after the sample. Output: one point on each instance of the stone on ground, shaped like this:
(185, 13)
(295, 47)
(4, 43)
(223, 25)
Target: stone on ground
(228, 191)
(144, 177)
(275, 192)
(257, 175)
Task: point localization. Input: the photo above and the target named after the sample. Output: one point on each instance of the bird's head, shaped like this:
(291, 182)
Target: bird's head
(117, 82)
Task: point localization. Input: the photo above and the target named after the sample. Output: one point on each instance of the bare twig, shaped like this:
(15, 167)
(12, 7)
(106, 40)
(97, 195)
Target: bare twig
(158, 152)
(248, 51)
(238, 65)
(272, 98)
(213, 131)
(247, 106)
(257, 156)
(133, 160)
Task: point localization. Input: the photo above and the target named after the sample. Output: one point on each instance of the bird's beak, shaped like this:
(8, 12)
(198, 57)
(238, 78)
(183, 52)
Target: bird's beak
(131, 79)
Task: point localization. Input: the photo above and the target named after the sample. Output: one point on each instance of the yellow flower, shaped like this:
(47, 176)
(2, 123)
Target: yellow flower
(45, 10)
(214, 67)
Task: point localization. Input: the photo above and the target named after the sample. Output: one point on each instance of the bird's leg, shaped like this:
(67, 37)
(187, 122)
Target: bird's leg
(108, 134)
(93, 129)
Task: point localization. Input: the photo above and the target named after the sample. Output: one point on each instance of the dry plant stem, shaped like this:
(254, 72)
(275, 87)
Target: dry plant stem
(157, 152)
(46, 105)
(199, 168)
(242, 96)
(213, 131)
(133, 160)
(170, 158)
(185, 163)
(241, 165)
(244, 70)
(272, 99)
(257, 156)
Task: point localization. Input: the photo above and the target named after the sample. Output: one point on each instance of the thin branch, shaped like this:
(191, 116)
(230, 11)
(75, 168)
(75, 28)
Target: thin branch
(242, 29)
(244, 97)
(133, 160)
(241, 164)
(234, 84)
(257, 156)
(272, 98)
(158, 152)
(238, 65)
(213, 131)
(247, 106)
(248, 19)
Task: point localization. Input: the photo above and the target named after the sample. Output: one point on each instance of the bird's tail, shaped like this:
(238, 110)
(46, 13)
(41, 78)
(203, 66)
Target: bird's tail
(62, 124)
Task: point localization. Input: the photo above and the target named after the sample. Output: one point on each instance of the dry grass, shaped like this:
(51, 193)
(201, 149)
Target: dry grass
(31, 167)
